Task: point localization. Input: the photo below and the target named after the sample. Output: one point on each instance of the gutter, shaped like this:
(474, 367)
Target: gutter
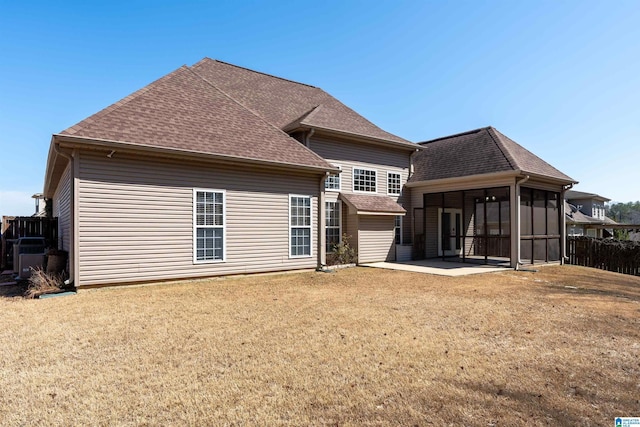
(372, 139)
(173, 152)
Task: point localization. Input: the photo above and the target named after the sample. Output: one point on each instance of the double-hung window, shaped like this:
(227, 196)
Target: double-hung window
(364, 180)
(299, 226)
(333, 181)
(332, 226)
(208, 225)
(393, 184)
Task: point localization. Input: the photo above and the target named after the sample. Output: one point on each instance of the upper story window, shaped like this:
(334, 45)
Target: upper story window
(208, 225)
(364, 180)
(598, 211)
(393, 184)
(333, 181)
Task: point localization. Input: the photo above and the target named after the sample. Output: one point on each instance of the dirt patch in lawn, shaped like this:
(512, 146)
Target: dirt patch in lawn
(356, 347)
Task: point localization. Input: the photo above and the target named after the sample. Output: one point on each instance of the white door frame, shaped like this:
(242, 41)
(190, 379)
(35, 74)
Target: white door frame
(453, 251)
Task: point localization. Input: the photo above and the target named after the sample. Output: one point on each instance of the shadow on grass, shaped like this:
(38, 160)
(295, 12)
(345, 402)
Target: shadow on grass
(9, 288)
(538, 405)
(594, 282)
(12, 291)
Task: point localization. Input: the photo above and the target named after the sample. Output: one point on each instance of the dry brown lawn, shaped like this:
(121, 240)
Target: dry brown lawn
(362, 346)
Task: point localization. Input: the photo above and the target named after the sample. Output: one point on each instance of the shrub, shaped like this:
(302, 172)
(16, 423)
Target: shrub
(342, 253)
(42, 282)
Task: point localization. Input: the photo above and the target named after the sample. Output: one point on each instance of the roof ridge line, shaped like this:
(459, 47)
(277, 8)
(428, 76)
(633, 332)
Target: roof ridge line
(510, 158)
(469, 132)
(253, 112)
(120, 103)
(258, 72)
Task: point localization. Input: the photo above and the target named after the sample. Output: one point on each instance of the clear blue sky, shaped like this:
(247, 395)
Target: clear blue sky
(562, 78)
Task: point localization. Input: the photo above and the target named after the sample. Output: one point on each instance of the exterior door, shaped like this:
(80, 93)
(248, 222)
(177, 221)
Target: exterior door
(449, 232)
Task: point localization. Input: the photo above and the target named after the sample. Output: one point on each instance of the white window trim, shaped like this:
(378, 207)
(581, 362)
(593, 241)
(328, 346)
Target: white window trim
(310, 226)
(339, 222)
(399, 183)
(195, 226)
(339, 180)
(353, 180)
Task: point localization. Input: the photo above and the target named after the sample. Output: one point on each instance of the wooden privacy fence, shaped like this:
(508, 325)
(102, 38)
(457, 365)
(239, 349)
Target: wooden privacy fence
(27, 226)
(605, 254)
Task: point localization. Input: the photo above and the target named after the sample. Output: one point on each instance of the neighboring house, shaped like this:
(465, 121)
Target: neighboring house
(215, 169)
(41, 204)
(585, 214)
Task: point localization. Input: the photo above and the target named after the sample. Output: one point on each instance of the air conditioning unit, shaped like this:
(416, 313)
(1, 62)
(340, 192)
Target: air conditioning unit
(28, 253)
(27, 263)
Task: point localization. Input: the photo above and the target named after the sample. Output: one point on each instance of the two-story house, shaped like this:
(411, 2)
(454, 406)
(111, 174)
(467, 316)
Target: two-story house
(585, 214)
(216, 169)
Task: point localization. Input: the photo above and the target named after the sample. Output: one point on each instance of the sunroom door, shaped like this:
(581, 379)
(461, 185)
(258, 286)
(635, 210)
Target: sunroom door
(449, 232)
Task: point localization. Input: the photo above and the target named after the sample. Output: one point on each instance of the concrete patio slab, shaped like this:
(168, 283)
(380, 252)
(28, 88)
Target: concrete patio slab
(438, 267)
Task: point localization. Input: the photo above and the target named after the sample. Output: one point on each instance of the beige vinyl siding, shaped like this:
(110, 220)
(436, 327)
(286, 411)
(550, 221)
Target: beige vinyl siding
(135, 219)
(62, 209)
(376, 238)
(350, 226)
(350, 155)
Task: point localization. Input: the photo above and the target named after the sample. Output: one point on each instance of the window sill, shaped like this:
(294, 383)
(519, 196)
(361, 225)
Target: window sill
(212, 261)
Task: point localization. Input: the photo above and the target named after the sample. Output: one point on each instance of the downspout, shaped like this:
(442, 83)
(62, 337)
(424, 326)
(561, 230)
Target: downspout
(411, 164)
(518, 184)
(307, 138)
(72, 214)
(563, 223)
(321, 247)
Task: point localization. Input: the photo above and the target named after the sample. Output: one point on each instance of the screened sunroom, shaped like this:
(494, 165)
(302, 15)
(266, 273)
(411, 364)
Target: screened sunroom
(480, 197)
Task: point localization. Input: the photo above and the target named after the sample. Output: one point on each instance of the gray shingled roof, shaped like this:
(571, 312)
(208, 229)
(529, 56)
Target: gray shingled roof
(478, 152)
(183, 111)
(370, 203)
(574, 216)
(577, 195)
(288, 104)
(221, 109)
